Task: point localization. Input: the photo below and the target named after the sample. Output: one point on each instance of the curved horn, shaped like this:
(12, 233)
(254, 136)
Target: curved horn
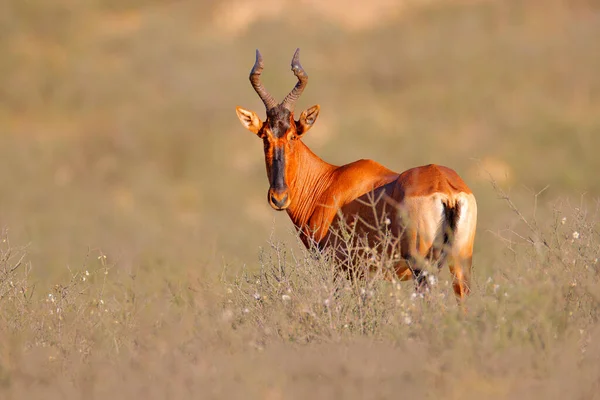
(258, 86)
(290, 100)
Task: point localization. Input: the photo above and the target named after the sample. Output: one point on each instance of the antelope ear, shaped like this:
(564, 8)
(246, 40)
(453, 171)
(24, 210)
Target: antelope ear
(249, 119)
(307, 119)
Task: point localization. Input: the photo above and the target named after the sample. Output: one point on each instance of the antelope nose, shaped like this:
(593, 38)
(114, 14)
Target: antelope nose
(279, 200)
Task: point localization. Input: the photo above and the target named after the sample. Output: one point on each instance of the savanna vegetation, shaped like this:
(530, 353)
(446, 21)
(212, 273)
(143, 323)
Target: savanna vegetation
(139, 256)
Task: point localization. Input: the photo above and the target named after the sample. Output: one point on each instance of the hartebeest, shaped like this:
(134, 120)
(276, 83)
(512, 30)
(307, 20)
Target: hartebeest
(430, 209)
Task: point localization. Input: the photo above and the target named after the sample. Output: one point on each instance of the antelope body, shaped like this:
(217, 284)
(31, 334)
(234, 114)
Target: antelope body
(429, 209)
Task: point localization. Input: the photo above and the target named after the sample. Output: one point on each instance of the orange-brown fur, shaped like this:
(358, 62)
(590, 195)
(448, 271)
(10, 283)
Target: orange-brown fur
(431, 211)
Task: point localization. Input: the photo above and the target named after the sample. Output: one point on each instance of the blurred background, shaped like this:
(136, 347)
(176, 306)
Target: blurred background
(118, 127)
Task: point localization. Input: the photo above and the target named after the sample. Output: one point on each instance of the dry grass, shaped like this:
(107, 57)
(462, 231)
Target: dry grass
(135, 203)
(291, 329)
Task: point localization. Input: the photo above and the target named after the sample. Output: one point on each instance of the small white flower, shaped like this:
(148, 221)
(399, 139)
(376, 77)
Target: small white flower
(575, 235)
(101, 301)
(326, 302)
(432, 280)
(245, 311)
(256, 296)
(387, 221)
(285, 297)
(563, 220)
(87, 273)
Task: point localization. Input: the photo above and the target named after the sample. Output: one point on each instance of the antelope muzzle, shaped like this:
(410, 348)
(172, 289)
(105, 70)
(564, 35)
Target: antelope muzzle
(279, 199)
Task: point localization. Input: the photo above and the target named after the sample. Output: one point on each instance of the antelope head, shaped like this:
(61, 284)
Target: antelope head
(280, 131)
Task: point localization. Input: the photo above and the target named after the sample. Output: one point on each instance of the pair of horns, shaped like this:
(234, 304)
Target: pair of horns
(290, 100)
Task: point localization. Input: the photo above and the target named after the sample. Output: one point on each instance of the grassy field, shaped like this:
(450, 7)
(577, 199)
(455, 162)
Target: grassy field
(139, 256)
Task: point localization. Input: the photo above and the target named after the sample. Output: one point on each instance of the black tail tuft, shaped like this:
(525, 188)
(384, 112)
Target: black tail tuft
(451, 216)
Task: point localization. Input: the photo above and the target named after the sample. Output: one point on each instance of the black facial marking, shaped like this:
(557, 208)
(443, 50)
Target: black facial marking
(278, 169)
(279, 121)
